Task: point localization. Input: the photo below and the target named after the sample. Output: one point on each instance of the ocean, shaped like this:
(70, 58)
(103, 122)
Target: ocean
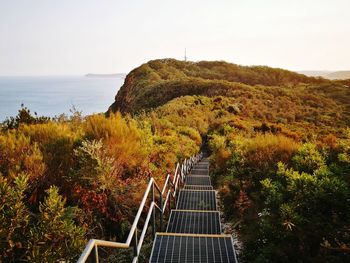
(52, 96)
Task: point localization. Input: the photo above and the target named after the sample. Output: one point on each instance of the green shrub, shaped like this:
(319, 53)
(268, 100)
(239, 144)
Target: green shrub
(55, 236)
(14, 218)
(308, 159)
(303, 211)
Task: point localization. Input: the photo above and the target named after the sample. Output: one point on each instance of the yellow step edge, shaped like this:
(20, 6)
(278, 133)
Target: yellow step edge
(192, 235)
(197, 211)
(199, 185)
(197, 190)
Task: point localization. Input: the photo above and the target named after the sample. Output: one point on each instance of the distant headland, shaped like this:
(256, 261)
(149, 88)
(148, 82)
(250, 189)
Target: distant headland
(114, 75)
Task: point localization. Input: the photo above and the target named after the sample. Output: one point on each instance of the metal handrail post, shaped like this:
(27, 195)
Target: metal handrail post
(96, 254)
(169, 203)
(183, 176)
(153, 214)
(175, 190)
(161, 214)
(135, 244)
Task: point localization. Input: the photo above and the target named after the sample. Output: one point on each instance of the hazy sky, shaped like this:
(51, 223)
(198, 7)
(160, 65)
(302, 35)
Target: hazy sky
(55, 37)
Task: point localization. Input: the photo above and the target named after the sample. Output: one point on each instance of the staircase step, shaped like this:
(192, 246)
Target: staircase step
(196, 200)
(194, 221)
(198, 180)
(198, 187)
(192, 248)
(201, 166)
(198, 175)
(199, 171)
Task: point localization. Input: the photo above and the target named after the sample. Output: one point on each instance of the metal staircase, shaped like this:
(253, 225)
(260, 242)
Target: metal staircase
(194, 228)
(193, 233)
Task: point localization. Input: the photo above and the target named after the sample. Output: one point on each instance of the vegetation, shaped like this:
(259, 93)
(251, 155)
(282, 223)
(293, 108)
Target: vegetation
(279, 148)
(291, 199)
(69, 179)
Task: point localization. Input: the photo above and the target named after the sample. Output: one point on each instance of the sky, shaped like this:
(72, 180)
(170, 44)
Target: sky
(71, 37)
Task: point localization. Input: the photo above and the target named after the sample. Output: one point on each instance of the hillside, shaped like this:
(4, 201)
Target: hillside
(158, 81)
(263, 93)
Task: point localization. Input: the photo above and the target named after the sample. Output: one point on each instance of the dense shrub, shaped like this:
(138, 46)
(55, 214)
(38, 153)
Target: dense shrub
(14, 218)
(290, 200)
(53, 234)
(307, 213)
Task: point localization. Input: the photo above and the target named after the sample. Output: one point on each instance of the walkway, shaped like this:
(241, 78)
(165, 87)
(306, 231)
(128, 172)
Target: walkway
(194, 228)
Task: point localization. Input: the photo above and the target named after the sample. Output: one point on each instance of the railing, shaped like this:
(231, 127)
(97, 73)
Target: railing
(170, 188)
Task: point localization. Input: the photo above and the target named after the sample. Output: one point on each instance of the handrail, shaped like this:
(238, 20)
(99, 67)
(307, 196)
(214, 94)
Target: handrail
(172, 185)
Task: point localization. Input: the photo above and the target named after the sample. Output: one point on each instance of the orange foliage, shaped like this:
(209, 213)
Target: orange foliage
(242, 202)
(265, 150)
(122, 138)
(18, 155)
(330, 141)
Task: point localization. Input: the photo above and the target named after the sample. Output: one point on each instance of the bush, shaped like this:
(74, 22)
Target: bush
(262, 152)
(55, 235)
(94, 168)
(52, 235)
(24, 117)
(14, 218)
(308, 159)
(122, 138)
(304, 210)
(18, 154)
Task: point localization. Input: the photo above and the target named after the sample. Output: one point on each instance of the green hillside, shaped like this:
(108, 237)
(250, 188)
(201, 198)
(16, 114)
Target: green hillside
(158, 81)
(262, 93)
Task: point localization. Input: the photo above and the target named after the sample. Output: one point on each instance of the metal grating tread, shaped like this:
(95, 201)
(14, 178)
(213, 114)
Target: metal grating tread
(201, 166)
(195, 222)
(196, 200)
(198, 180)
(193, 248)
(200, 171)
(198, 187)
(198, 175)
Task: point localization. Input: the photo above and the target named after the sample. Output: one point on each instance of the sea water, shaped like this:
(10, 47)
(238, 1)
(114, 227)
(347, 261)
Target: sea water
(52, 96)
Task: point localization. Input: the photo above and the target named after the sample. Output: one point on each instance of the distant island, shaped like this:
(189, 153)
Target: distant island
(115, 75)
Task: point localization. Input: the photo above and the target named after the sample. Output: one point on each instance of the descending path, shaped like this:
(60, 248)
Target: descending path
(194, 229)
